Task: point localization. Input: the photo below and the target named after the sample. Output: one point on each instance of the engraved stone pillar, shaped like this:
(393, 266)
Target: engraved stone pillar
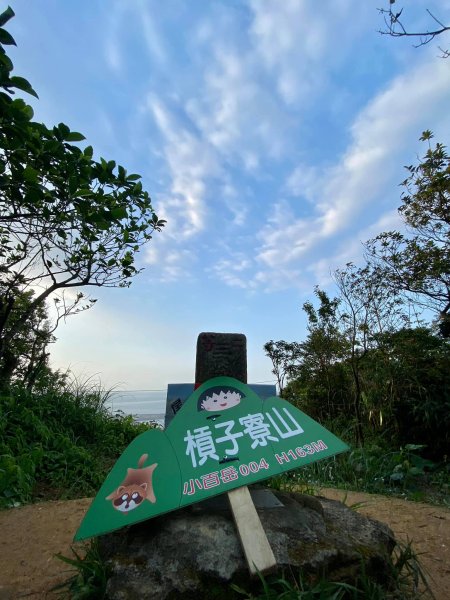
(221, 354)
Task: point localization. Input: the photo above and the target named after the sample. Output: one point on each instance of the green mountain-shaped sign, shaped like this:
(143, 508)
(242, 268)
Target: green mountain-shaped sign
(224, 437)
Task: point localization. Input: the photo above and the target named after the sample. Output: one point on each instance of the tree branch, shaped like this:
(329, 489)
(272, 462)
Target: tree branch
(396, 28)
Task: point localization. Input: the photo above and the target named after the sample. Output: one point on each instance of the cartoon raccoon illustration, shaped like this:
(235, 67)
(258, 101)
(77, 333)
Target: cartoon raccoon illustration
(136, 487)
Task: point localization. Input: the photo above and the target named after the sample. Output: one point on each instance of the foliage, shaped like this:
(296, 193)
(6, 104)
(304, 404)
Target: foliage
(407, 382)
(320, 385)
(366, 308)
(376, 468)
(66, 220)
(25, 357)
(404, 579)
(419, 264)
(274, 588)
(91, 574)
(284, 357)
(59, 442)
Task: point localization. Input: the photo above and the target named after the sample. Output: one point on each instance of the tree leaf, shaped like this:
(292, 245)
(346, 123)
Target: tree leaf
(84, 193)
(28, 111)
(74, 136)
(22, 84)
(6, 61)
(30, 175)
(119, 213)
(6, 38)
(6, 16)
(62, 131)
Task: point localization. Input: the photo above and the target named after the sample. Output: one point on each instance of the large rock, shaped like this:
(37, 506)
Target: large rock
(196, 553)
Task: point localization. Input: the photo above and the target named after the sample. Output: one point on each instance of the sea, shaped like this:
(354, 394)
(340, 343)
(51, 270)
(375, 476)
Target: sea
(144, 405)
(150, 405)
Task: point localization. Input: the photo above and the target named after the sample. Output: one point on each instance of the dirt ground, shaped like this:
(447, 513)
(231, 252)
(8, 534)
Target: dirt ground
(30, 536)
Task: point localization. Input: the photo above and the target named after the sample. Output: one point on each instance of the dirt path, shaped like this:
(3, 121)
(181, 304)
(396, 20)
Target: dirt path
(32, 535)
(426, 526)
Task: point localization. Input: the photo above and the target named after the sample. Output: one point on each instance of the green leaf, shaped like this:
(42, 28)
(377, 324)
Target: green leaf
(6, 16)
(119, 212)
(73, 184)
(84, 193)
(98, 220)
(22, 84)
(415, 471)
(133, 177)
(28, 111)
(63, 130)
(104, 225)
(6, 38)
(30, 175)
(6, 61)
(74, 136)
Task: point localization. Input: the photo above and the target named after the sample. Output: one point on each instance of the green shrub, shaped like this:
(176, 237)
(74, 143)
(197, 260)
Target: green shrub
(58, 442)
(376, 469)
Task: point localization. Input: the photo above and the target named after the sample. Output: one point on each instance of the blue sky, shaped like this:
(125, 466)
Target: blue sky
(270, 134)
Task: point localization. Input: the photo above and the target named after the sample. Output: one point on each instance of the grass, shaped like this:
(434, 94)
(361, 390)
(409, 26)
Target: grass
(375, 469)
(91, 574)
(59, 442)
(404, 580)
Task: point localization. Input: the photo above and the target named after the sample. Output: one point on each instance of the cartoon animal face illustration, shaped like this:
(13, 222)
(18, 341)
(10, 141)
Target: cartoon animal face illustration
(218, 398)
(136, 487)
(129, 497)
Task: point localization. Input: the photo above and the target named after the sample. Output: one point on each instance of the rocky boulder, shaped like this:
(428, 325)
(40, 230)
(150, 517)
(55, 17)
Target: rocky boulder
(195, 552)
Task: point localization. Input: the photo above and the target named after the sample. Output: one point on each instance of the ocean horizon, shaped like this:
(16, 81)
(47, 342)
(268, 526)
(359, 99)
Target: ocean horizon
(143, 405)
(150, 405)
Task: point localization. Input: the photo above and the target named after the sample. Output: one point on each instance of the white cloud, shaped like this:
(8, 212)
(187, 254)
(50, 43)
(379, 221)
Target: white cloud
(190, 162)
(141, 15)
(234, 271)
(351, 249)
(299, 41)
(112, 52)
(285, 238)
(305, 181)
(154, 43)
(170, 264)
(382, 135)
(235, 204)
(237, 114)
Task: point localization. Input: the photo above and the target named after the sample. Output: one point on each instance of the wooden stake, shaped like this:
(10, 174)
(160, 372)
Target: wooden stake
(257, 550)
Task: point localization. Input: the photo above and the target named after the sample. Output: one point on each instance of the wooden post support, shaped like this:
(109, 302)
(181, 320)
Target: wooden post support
(226, 354)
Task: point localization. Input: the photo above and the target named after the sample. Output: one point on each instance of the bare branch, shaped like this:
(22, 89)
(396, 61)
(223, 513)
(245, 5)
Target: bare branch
(396, 28)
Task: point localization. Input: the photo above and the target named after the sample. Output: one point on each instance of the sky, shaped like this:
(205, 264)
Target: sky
(272, 135)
